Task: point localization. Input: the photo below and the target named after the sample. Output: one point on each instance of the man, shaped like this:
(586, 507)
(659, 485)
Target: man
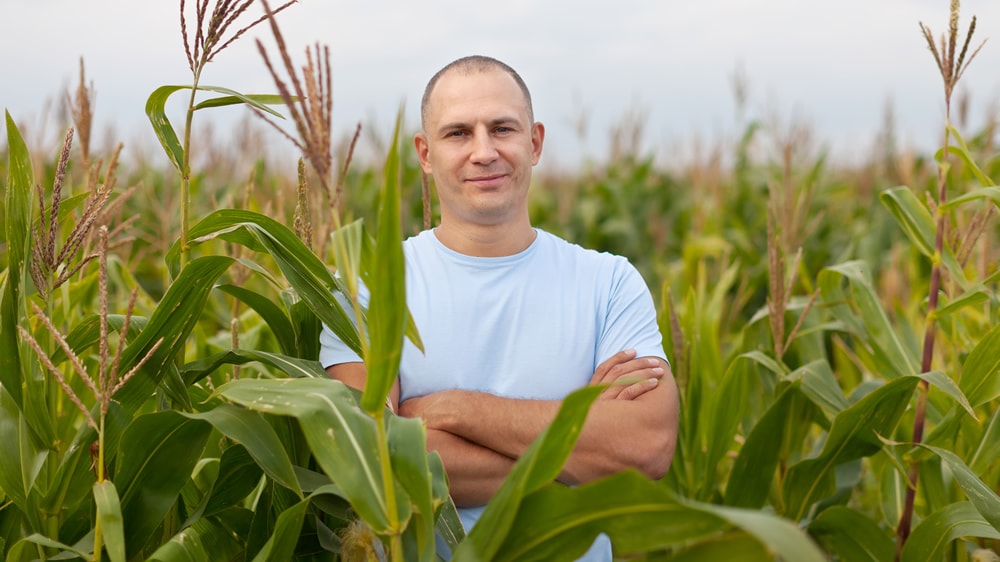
(513, 318)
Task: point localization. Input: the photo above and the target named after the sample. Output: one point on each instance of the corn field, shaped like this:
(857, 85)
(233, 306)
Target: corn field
(834, 331)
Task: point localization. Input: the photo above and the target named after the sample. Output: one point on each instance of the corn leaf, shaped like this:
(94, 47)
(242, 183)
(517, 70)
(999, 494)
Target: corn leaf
(341, 436)
(257, 101)
(540, 465)
(852, 535)
(853, 435)
(157, 113)
(560, 523)
(287, 529)
(304, 271)
(982, 496)
(249, 429)
(16, 233)
(205, 539)
(291, 366)
(962, 150)
(156, 456)
(930, 539)
(732, 546)
(172, 321)
(894, 357)
(753, 471)
(408, 453)
(639, 515)
(239, 475)
(387, 312)
(271, 313)
(109, 512)
(980, 380)
(916, 221)
(991, 193)
(988, 449)
(20, 458)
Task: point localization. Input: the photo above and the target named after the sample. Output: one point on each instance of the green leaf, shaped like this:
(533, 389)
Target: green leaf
(205, 539)
(916, 221)
(819, 384)
(291, 366)
(854, 434)
(109, 512)
(780, 536)
(540, 465)
(156, 111)
(980, 380)
(173, 319)
(156, 456)
(639, 515)
(560, 523)
(387, 312)
(931, 538)
(974, 296)
(992, 193)
(304, 271)
(988, 449)
(753, 472)
(944, 383)
(408, 452)
(239, 475)
(982, 496)
(962, 150)
(271, 313)
(733, 546)
(20, 459)
(258, 101)
(852, 535)
(341, 436)
(249, 429)
(16, 232)
(870, 324)
(287, 529)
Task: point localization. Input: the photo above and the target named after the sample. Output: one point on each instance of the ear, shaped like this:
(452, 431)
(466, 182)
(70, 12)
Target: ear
(537, 138)
(423, 152)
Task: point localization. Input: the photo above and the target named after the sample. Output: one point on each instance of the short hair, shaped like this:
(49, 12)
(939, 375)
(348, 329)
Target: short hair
(471, 65)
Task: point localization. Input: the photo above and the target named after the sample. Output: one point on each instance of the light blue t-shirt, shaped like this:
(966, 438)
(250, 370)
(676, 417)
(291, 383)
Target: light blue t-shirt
(533, 325)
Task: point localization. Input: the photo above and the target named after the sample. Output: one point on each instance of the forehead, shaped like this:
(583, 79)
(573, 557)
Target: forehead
(461, 96)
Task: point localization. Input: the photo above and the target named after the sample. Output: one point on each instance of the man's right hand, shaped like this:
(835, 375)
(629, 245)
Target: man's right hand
(628, 377)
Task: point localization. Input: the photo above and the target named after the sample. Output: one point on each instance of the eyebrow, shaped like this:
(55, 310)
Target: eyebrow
(493, 123)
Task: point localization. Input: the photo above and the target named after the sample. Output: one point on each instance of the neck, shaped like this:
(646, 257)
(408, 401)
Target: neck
(486, 241)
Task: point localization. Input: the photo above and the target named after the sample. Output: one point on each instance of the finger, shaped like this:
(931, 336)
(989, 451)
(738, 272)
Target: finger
(610, 363)
(636, 390)
(644, 368)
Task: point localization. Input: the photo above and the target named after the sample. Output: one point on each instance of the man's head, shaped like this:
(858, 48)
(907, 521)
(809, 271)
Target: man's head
(479, 142)
(471, 65)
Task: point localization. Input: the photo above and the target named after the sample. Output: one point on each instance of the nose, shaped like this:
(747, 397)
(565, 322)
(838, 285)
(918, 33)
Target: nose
(484, 150)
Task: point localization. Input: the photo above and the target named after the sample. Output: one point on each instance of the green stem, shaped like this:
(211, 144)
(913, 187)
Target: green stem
(186, 169)
(396, 537)
(98, 535)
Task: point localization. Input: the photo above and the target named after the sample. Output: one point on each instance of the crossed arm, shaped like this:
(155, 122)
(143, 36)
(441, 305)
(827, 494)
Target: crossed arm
(479, 435)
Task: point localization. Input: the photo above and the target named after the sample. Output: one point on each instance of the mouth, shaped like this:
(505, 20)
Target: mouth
(491, 180)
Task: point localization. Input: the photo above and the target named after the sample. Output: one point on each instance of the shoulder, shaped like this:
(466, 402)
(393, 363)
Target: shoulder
(556, 248)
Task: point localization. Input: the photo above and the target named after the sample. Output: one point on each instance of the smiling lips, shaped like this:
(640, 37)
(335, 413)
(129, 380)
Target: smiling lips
(491, 180)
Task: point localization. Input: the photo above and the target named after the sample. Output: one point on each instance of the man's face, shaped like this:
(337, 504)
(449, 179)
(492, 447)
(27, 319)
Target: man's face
(479, 144)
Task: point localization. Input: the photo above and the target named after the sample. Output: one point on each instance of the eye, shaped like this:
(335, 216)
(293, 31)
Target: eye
(455, 133)
(504, 129)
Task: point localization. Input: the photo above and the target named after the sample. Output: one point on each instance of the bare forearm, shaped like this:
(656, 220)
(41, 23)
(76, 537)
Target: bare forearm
(475, 473)
(618, 434)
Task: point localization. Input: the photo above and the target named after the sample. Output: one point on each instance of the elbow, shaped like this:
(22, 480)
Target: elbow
(655, 459)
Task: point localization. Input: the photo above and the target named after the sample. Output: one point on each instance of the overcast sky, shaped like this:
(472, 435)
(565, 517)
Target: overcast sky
(832, 65)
